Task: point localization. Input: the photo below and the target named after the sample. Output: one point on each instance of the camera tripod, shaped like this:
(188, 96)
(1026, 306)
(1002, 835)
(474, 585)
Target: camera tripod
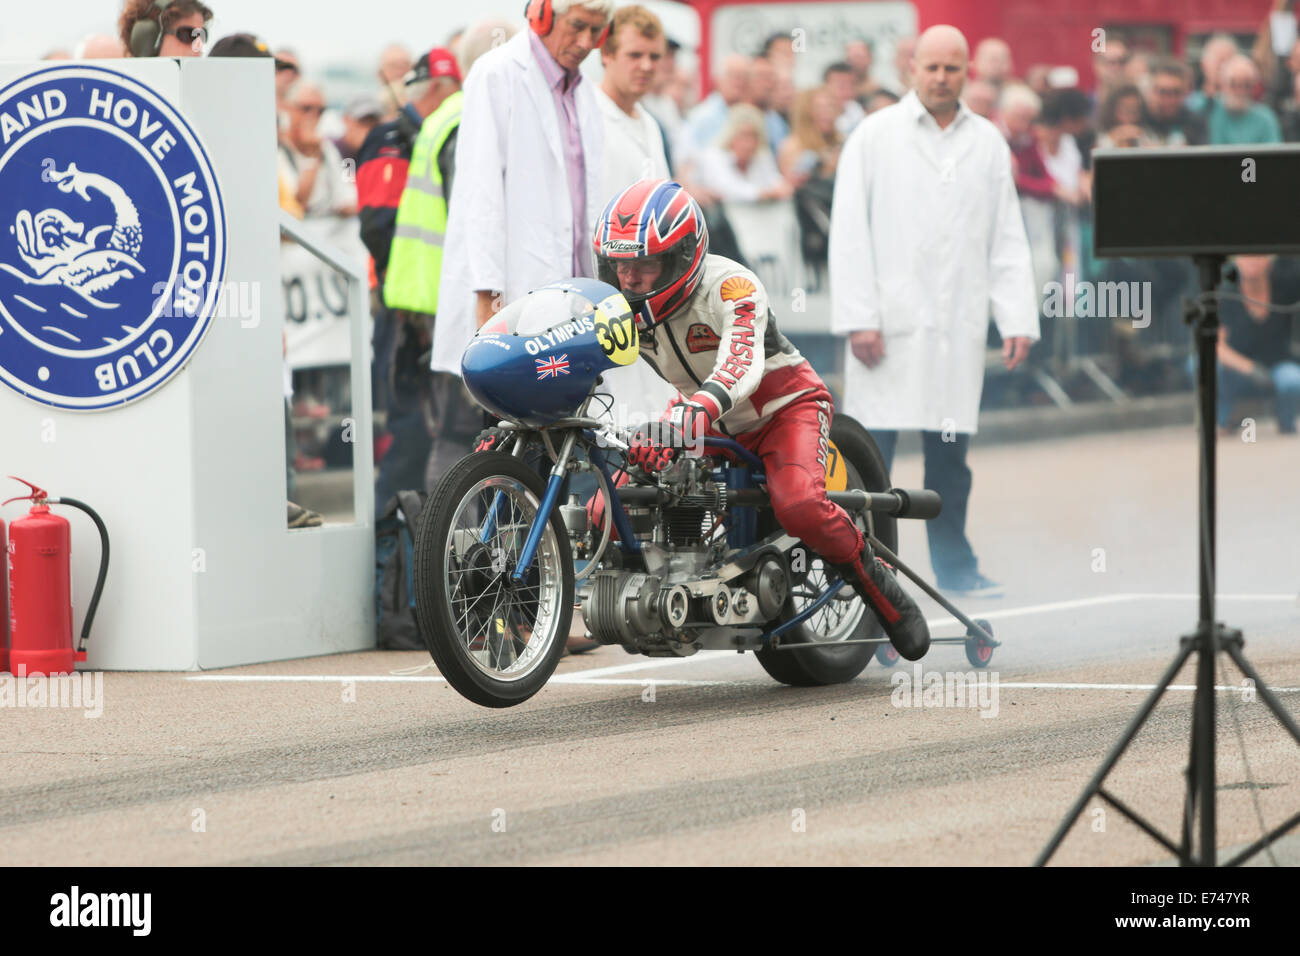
(1209, 638)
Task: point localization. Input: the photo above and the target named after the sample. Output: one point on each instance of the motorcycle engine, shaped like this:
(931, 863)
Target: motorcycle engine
(660, 610)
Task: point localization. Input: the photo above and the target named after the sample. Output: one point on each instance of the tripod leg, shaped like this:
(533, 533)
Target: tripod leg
(1204, 736)
(1284, 717)
(1117, 751)
(1189, 796)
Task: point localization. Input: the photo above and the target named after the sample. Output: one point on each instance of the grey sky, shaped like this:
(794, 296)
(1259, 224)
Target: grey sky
(327, 31)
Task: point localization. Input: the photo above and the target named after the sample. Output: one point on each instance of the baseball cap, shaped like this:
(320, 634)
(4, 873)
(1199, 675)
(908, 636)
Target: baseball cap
(437, 62)
(363, 107)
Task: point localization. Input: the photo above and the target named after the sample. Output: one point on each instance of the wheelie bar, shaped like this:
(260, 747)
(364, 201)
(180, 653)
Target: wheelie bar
(971, 627)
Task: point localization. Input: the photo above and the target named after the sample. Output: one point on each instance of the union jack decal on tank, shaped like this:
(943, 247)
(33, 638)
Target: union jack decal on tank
(654, 219)
(552, 366)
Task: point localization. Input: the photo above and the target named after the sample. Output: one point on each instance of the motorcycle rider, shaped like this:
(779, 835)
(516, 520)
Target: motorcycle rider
(706, 328)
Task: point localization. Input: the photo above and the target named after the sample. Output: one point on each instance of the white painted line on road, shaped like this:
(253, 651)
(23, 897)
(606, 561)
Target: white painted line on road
(646, 681)
(388, 679)
(1101, 599)
(643, 665)
(1054, 686)
(304, 678)
(593, 675)
(582, 678)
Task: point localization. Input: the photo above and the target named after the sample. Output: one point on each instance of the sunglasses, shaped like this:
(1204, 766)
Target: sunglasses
(190, 34)
(285, 65)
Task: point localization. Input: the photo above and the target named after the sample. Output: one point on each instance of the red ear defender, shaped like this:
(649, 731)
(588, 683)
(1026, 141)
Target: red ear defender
(540, 16)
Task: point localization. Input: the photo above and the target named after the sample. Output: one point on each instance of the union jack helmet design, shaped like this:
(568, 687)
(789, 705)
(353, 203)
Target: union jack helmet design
(654, 219)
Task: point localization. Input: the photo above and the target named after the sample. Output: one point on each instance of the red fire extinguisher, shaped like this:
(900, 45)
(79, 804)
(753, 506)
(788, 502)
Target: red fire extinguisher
(40, 587)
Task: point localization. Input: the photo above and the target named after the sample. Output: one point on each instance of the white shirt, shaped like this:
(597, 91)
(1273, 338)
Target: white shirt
(332, 189)
(634, 150)
(716, 169)
(662, 107)
(634, 147)
(848, 120)
(926, 241)
(1066, 165)
(510, 218)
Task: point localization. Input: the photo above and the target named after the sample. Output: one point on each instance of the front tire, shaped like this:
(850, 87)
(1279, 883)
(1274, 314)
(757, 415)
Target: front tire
(495, 641)
(838, 620)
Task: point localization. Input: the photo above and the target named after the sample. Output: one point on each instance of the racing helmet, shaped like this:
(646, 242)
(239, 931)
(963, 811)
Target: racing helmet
(654, 219)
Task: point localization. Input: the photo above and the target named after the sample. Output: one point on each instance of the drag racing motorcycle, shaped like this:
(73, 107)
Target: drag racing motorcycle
(682, 560)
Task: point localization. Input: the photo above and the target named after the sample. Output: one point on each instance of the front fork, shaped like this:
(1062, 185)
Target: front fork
(549, 498)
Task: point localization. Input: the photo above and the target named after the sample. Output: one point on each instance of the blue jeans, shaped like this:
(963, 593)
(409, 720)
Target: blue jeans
(1233, 385)
(946, 472)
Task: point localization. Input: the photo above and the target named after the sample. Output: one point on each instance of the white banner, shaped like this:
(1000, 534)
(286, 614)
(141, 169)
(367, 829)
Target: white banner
(316, 302)
(768, 235)
(819, 32)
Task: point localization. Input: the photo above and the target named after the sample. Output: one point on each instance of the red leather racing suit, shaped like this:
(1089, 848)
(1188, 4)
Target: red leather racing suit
(724, 352)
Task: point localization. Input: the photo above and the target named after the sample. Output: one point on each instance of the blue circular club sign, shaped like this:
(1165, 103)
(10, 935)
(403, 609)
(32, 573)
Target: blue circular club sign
(112, 239)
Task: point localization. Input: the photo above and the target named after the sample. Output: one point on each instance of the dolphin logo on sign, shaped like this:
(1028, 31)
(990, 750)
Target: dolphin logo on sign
(112, 238)
(57, 248)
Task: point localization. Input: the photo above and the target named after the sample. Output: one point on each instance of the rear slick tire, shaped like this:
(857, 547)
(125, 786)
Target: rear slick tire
(836, 665)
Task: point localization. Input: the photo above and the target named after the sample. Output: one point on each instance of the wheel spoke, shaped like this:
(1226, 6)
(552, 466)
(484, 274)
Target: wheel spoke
(504, 628)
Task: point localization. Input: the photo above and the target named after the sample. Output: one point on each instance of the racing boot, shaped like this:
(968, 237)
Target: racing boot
(898, 614)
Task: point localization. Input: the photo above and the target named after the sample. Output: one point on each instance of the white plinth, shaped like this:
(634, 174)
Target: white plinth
(190, 478)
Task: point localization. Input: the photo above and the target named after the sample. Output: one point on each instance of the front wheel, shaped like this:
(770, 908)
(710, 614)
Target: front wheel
(495, 640)
(845, 617)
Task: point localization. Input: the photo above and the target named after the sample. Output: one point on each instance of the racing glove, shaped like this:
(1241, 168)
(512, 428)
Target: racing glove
(682, 428)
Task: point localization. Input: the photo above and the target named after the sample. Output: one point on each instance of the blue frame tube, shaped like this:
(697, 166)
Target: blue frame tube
(726, 444)
(803, 615)
(626, 536)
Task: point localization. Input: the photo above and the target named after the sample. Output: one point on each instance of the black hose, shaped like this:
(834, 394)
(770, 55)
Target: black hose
(103, 563)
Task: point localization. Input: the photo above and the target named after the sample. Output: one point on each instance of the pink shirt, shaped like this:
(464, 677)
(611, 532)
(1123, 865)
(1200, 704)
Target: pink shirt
(563, 84)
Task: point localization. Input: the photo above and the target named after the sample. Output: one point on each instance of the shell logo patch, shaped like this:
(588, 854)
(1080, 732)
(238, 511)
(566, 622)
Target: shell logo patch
(737, 287)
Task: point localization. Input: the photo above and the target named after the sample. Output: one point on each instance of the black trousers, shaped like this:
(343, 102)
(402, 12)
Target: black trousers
(946, 472)
(457, 420)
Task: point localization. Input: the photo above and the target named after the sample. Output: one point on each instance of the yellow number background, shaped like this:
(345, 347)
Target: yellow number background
(837, 472)
(627, 332)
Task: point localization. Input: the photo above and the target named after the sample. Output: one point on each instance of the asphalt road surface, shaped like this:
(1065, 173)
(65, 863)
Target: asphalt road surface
(706, 760)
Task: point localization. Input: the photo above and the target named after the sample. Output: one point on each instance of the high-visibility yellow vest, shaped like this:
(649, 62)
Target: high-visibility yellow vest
(415, 258)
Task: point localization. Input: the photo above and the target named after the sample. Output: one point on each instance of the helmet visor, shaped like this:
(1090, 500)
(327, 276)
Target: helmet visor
(640, 278)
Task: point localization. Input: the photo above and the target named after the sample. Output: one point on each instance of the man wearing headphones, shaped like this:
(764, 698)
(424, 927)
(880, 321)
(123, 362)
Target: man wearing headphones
(164, 27)
(529, 164)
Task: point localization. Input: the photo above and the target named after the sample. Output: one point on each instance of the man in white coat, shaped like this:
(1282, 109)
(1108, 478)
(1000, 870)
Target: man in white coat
(526, 193)
(926, 241)
(634, 150)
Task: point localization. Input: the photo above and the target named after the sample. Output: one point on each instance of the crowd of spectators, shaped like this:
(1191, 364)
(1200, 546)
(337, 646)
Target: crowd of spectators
(758, 135)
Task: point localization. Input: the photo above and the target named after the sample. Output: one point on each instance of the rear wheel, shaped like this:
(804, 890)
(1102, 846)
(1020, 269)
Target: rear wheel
(496, 641)
(844, 617)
